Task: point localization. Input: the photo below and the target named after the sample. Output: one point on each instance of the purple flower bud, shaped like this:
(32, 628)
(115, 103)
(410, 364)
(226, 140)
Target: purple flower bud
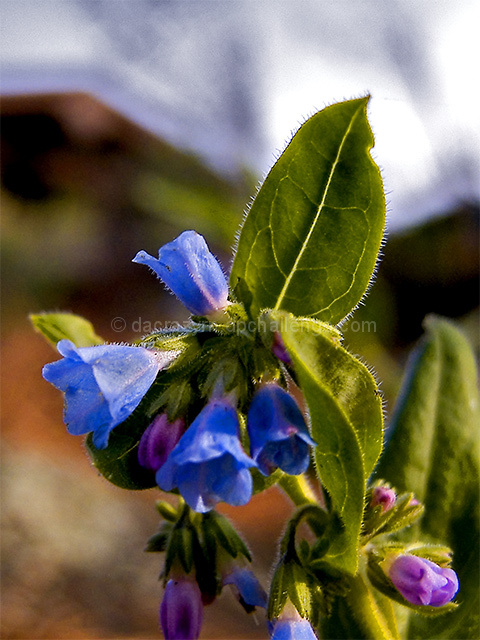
(208, 464)
(423, 582)
(278, 432)
(293, 629)
(103, 385)
(181, 611)
(383, 496)
(279, 350)
(250, 592)
(188, 269)
(158, 440)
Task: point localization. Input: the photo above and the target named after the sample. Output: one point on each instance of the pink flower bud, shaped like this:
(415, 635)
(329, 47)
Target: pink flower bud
(384, 497)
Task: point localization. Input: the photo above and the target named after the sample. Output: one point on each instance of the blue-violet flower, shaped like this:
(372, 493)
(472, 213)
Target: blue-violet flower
(103, 385)
(278, 432)
(194, 275)
(423, 582)
(181, 611)
(249, 591)
(158, 440)
(208, 464)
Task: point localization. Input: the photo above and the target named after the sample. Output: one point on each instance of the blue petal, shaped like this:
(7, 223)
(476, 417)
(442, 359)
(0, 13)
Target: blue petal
(231, 482)
(188, 268)
(278, 432)
(213, 432)
(208, 463)
(291, 455)
(102, 385)
(249, 588)
(194, 487)
(293, 630)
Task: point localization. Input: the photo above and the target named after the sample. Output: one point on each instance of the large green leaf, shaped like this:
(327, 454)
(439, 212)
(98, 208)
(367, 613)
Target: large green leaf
(60, 326)
(347, 423)
(434, 452)
(311, 238)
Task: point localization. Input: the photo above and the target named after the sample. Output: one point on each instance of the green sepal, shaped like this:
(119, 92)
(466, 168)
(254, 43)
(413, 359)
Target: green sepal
(220, 530)
(383, 583)
(278, 593)
(159, 541)
(310, 241)
(166, 510)
(402, 514)
(175, 399)
(169, 340)
(437, 553)
(66, 326)
(180, 544)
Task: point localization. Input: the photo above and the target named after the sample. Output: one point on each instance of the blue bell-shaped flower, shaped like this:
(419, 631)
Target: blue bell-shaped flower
(278, 432)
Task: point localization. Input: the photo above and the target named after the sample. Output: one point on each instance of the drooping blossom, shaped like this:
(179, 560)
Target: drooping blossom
(278, 432)
(208, 465)
(181, 610)
(103, 385)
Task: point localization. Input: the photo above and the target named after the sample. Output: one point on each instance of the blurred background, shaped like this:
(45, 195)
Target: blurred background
(126, 122)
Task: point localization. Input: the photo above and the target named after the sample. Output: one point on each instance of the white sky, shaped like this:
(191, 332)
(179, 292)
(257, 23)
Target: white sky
(230, 79)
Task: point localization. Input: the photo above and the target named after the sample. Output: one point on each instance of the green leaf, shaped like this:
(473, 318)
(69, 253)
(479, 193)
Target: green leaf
(118, 463)
(433, 451)
(310, 242)
(347, 424)
(60, 326)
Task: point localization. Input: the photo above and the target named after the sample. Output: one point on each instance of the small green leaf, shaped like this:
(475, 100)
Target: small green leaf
(433, 451)
(347, 424)
(310, 242)
(60, 326)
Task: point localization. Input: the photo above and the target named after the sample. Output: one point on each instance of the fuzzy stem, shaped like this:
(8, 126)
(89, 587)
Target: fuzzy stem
(375, 623)
(298, 489)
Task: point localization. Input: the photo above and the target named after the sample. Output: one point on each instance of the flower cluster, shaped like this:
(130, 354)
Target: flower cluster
(212, 413)
(204, 460)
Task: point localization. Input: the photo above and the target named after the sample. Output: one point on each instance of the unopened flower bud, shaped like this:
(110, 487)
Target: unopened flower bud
(279, 350)
(422, 582)
(158, 440)
(181, 611)
(383, 496)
